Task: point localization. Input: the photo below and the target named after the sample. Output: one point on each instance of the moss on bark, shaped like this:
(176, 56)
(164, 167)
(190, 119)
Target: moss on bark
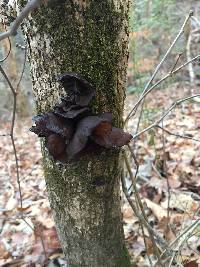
(89, 37)
(88, 216)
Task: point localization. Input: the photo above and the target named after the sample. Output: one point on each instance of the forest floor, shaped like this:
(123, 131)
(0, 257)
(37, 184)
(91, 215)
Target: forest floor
(168, 182)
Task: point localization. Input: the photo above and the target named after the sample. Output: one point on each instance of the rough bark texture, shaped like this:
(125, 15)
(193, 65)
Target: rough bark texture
(88, 37)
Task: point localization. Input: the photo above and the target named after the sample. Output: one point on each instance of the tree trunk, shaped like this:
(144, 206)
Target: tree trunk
(89, 37)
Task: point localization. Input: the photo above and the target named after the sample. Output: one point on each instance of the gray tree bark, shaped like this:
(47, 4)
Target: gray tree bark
(89, 37)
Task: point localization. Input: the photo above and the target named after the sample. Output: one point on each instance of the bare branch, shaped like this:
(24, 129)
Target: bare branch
(133, 178)
(162, 80)
(10, 46)
(7, 79)
(141, 216)
(156, 123)
(164, 174)
(11, 135)
(177, 60)
(188, 53)
(23, 14)
(132, 112)
(23, 69)
(183, 236)
(142, 220)
(12, 131)
(178, 135)
(169, 50)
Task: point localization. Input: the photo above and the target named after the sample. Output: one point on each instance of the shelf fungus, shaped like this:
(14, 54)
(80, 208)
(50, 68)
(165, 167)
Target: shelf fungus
(71, 129)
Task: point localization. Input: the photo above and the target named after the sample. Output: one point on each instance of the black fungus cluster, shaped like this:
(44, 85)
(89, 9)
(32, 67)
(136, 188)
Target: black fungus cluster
(71, 129)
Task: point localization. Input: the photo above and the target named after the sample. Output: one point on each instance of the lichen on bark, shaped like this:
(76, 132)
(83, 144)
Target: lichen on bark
(88, 37)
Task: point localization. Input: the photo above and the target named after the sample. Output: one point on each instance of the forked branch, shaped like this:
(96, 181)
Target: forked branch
(22, 15)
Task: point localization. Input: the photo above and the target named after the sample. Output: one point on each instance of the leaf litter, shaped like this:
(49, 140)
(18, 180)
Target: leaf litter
(168, 176)
(178, 166)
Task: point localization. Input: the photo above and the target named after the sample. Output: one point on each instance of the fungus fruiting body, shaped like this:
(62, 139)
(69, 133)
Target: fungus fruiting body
(71, 129)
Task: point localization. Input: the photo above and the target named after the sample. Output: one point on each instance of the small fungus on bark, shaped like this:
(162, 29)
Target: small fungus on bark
(71, 129)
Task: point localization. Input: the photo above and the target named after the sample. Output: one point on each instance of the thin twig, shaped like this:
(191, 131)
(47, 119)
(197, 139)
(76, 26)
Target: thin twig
(136, 212)
(190, 229)
(167, 178)
(169, 49)
(132, 113)
(156, 123)
(11, 134)
(9, 50)
(177, 60)
(23, 69)
(39, 234)
(188, 54)
(138, 200)
(185, 233)
(178, 135)
(30, 6)
(141, 224)
(139, 120)
(145, 243)
(160, 81)
(7, 79)
(172, 258)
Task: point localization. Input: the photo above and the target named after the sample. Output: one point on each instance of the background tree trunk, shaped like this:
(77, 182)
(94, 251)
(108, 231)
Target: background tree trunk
(88, 37)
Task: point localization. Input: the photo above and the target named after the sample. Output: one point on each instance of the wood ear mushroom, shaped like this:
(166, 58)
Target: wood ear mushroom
(71, 126)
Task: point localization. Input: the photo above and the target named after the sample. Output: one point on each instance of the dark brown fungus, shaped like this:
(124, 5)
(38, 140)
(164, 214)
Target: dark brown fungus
(84, 129)
(55, 145)
(115, 138)
(71, 129)
(48, 123)
(72, 112)
(79, 90)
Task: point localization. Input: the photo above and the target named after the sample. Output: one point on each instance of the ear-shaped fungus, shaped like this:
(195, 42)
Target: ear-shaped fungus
(48, 123)
(72, 127)
(83, 131)
(80, 91)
